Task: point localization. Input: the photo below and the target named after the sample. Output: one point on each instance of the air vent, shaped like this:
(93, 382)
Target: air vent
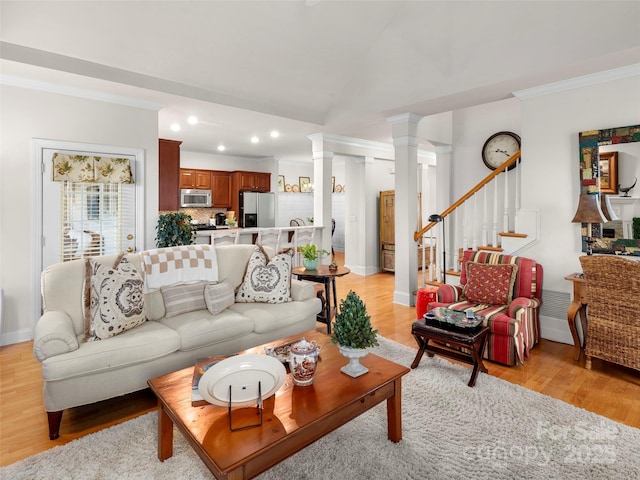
(555, 304)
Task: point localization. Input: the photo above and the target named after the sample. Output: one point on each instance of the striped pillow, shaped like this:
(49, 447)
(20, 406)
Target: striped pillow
(219, 296)
(183, 298)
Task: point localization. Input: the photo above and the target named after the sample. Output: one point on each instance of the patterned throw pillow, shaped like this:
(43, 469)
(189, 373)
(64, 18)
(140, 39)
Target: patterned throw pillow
(183, 298)
(492, 284)
(266, 281)
(218, 297)
(116, 299)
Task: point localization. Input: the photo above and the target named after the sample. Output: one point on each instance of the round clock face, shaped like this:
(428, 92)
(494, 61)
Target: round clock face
(499, 148)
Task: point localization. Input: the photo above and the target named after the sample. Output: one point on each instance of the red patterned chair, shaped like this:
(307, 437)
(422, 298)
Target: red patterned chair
(507, 290)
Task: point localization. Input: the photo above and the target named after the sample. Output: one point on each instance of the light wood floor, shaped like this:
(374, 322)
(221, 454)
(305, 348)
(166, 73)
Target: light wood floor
(608, 389)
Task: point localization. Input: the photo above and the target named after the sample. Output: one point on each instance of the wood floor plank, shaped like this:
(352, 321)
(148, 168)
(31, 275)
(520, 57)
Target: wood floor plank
(607, 389)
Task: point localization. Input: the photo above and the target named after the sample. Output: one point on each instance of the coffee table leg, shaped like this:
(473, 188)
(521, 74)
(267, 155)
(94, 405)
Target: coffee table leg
(394, 413)
(476, 353)
(165, 435)
(422, 347)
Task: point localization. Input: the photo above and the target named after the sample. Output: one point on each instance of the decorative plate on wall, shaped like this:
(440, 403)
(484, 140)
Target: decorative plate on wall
(287, 188)
(295, 188)
(338, 188)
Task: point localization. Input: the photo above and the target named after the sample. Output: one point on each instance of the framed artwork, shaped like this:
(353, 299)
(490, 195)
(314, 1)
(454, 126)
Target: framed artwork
(281, 183)
(608, 166)
(333, 184)
(304, 184)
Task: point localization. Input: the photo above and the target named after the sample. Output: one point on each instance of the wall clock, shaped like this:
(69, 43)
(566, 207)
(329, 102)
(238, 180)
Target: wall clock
(499, 147)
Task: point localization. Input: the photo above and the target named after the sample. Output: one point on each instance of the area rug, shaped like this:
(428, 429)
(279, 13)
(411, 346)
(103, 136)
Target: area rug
(495, 430)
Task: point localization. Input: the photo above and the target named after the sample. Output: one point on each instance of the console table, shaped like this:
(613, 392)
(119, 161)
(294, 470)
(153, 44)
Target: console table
(578, 306)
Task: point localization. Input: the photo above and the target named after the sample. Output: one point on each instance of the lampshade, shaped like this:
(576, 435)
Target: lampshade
(606, 208)
(435, 218)
(589, 210)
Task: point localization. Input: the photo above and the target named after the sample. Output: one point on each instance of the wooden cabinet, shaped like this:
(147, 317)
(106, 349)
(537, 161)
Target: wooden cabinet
(221, 189)
(254, 181)
(198, 179)
(168, 175)
(388, 231)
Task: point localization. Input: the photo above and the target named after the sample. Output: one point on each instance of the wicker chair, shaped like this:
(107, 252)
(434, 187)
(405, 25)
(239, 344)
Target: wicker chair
(613, 296)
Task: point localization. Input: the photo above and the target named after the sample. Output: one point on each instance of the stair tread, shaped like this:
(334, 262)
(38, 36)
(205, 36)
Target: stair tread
(513, 234)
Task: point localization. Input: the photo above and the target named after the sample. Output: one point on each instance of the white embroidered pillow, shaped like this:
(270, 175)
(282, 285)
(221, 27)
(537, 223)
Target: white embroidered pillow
(266, 281)
(219, 296)
(116, 299)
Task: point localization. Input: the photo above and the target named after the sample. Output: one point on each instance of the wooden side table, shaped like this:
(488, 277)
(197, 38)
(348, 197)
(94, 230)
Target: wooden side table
(474, 340)
(323, 275)
(578, 306)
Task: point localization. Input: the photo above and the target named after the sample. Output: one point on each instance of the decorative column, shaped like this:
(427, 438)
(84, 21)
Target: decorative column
(405, 142)
(322, 163)
(357, 222)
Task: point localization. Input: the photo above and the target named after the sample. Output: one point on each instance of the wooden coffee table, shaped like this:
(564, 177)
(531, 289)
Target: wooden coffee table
(292, 419)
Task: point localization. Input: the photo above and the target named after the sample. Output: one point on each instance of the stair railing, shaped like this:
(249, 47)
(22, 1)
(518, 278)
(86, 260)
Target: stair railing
(465, 215)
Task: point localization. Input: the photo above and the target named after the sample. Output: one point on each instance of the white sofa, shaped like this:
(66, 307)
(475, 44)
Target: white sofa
(79, 373)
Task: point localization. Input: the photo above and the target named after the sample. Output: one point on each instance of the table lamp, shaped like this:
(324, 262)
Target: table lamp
(437, 219)
(589, 211)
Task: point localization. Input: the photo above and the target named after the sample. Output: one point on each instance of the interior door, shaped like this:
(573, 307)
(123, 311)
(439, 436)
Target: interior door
(85, 219)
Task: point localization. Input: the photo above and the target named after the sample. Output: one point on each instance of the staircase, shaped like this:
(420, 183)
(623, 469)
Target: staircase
(487, 217)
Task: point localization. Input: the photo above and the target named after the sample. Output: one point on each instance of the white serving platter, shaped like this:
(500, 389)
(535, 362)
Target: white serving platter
(243, 373)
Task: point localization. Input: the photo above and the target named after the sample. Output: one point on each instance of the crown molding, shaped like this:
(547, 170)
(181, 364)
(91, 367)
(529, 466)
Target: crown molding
(579, 82)
(21, 82)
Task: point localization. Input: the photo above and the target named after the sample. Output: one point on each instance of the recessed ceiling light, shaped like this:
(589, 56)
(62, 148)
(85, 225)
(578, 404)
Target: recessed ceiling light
(254, 139)
(221, 148)
(274, 134)
(175, 127)
(192, 120)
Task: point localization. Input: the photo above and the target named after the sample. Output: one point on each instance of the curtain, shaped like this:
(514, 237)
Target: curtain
(91, 169)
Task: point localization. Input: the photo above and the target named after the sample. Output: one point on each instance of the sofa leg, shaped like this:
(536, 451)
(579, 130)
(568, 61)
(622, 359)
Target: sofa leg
(587, 364)
(54, 424)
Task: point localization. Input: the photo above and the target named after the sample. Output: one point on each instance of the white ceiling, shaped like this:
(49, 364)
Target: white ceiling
(303, 67)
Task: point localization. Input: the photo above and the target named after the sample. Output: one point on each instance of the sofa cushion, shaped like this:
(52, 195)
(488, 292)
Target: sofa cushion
(145, 343)
(219, 296)
(198, 329)
(116, 299)
(491, 284)
(269, 317)
(266, 281)
(183, 298)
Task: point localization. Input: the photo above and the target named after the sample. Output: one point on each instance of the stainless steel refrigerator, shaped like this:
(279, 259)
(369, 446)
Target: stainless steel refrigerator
(257, 209)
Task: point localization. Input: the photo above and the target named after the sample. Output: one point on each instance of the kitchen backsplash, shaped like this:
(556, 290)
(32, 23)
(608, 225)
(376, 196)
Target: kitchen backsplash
(201, 215)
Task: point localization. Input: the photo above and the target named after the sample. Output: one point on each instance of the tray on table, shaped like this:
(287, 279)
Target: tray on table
(452, 319)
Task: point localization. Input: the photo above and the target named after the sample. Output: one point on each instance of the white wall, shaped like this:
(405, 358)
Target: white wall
(550, 127)
(28, 114)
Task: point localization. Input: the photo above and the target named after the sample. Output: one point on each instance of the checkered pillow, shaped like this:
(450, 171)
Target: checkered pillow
(218, 297)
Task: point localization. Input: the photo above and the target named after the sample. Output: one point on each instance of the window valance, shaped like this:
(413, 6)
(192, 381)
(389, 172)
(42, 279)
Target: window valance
(91, 169)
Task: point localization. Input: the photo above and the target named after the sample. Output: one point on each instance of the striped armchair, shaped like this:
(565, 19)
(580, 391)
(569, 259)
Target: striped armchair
(506, 290)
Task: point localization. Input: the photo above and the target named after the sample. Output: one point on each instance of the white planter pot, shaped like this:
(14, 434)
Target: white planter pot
(353, 368)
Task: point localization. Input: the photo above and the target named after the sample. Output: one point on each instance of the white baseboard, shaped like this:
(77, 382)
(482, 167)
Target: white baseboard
(16, 337)
(363, 270)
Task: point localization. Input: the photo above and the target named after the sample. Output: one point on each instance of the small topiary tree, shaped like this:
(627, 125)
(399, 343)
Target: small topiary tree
(352, 326)
(174, 229)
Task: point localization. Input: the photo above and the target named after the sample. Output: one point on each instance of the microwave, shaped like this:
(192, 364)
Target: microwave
(190, 198)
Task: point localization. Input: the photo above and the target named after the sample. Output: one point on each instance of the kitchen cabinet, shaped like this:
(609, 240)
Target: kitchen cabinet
(168, 175)
(198, 179)
(254, 181)
(221, 189)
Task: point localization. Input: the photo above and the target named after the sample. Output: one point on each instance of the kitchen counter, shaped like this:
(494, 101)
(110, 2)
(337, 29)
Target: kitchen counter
(248, 235)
